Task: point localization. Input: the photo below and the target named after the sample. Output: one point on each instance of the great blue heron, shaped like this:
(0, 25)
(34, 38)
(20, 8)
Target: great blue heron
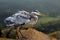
(21, 18)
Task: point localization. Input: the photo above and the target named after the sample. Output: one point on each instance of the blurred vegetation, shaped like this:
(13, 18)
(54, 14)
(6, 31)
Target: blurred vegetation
(48, 25)
(55, 35)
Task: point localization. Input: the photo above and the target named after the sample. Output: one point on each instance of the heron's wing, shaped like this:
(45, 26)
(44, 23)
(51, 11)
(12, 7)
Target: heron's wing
(21, 20)
(22, 17)
(23, 14)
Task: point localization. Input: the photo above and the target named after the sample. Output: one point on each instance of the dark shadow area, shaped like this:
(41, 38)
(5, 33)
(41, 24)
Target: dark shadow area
(0, 33)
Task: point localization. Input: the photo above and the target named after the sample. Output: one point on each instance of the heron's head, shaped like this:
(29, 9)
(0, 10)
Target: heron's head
(37, 13)
(10, 21)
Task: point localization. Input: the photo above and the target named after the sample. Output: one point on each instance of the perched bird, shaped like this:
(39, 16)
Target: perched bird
(21, 18)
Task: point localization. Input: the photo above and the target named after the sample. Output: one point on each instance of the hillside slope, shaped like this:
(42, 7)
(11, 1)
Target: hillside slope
(32, 34)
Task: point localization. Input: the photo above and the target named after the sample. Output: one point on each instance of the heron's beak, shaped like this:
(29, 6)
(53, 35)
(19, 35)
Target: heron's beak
(38, 14)
(42, 14)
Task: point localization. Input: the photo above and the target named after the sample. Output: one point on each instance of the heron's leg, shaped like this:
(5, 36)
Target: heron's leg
(19, 32)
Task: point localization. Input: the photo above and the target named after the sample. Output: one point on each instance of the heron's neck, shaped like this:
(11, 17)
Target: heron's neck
(35, 18)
